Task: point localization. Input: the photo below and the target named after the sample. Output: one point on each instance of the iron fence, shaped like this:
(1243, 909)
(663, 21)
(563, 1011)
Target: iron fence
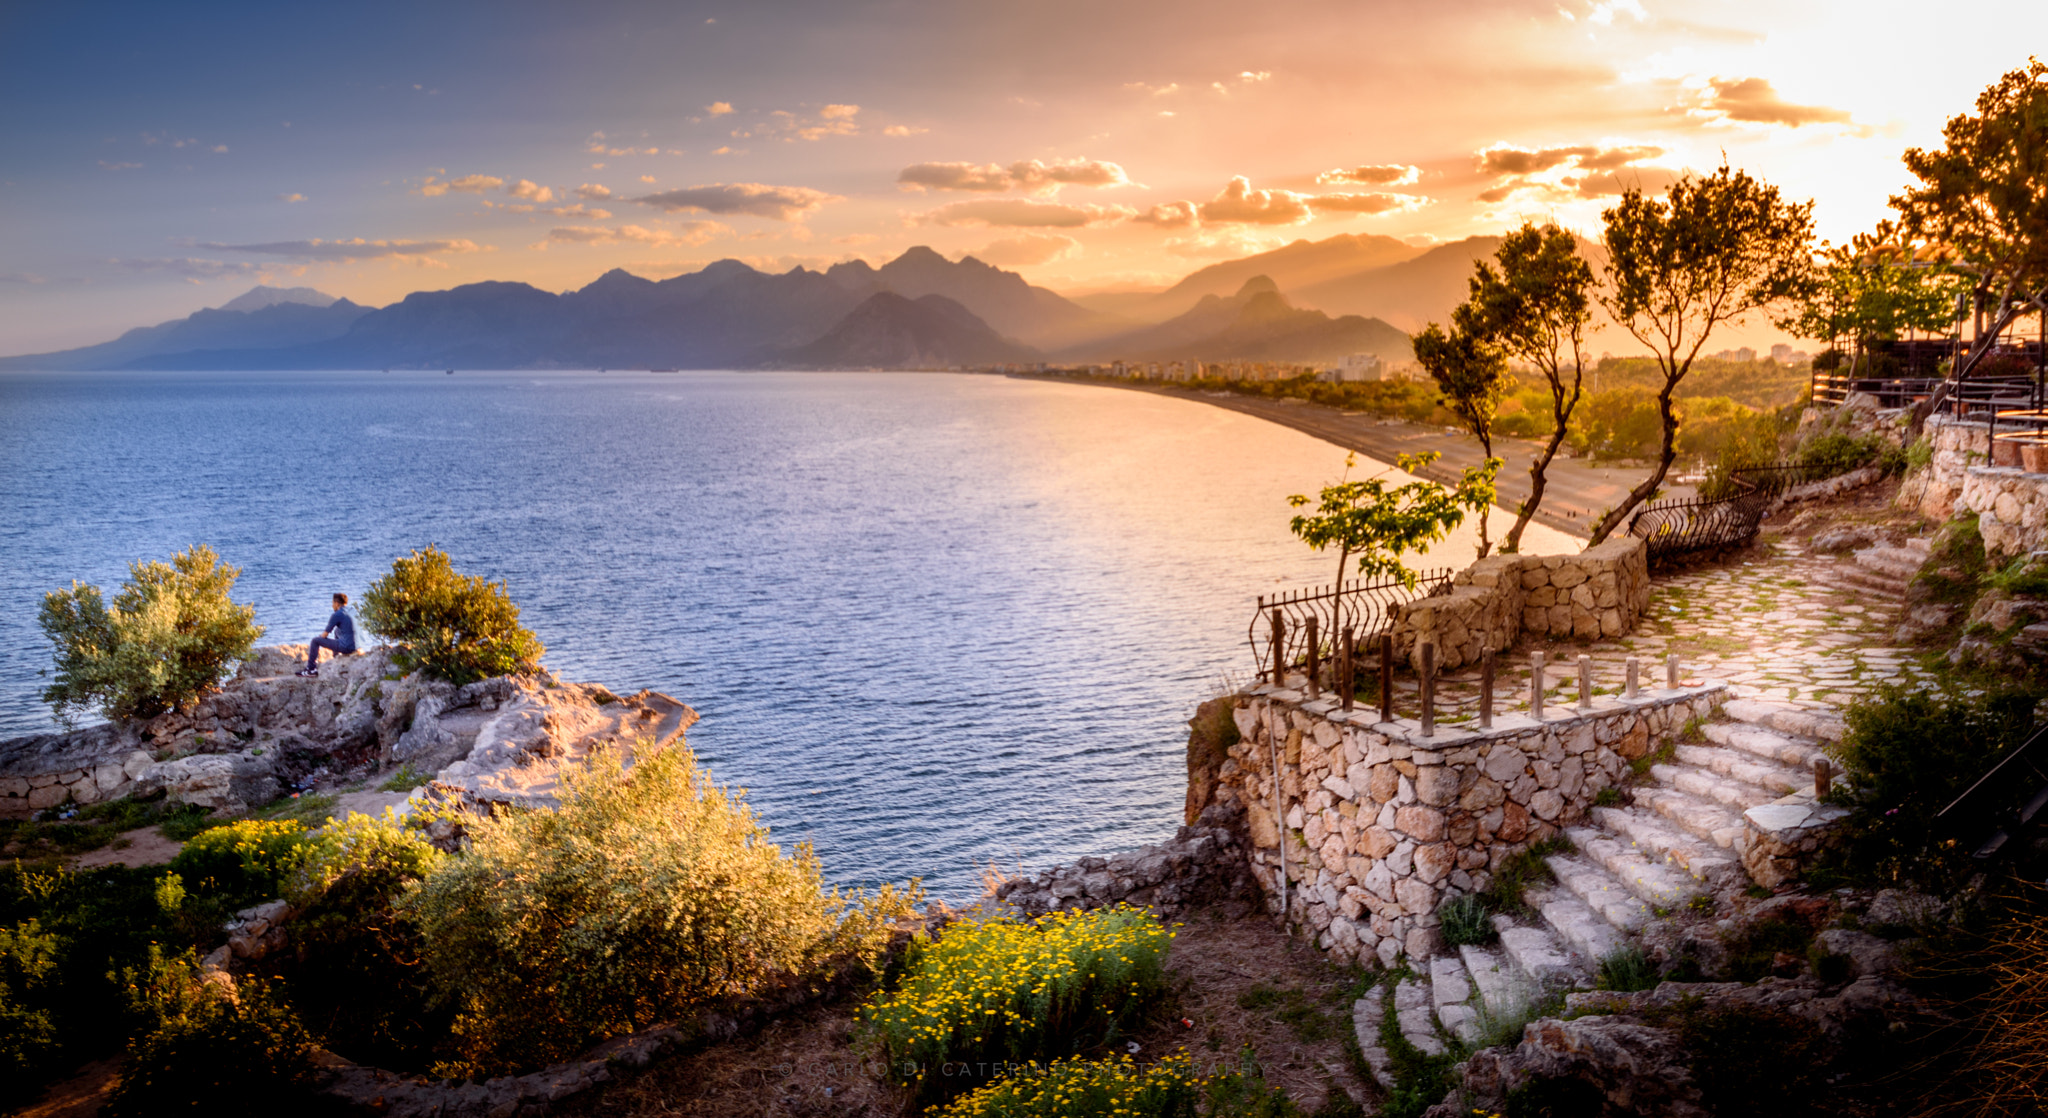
(1367, 607)
(1729, 519)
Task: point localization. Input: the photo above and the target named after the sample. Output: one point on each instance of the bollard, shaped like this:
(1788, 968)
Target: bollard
(1823, 776)
(1279, 649)
(1671, 671)
(1386, 677)
(1315, 690)
(1347, 669)
(1486, 690)
(1634, 667)
(1536, 686)
(1585, 683)
(1428, 689)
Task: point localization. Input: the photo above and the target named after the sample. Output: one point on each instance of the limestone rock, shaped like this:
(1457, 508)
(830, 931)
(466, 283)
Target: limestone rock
(1607, 1066)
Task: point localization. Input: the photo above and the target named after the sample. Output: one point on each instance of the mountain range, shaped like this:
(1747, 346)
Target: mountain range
(918, 310)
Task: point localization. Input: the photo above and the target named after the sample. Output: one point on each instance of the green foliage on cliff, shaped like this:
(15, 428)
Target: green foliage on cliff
(166, 639)
(647, 893)
(28, 984)
(203, 1050)
(244, 863)
(451, 626)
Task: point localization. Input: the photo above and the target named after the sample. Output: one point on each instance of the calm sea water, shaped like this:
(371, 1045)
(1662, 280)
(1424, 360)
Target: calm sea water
(931, 621)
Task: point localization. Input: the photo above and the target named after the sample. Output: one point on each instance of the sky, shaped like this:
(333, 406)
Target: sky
(160, 158)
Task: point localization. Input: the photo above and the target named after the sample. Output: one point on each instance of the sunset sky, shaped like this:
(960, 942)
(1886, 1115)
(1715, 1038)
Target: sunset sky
(165, 157)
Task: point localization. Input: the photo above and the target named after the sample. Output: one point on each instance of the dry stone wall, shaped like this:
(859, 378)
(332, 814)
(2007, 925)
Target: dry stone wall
(2011, 507)
(1374, 825)
(1957, 445)
(1600, 592)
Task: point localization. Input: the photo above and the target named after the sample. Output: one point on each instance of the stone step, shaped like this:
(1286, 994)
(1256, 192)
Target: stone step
(1587, 933)
(1784, 718)
(1746, 768)
(1457, 1004)
(1658, 838)
(1872, 584)
(1703, 819)
(1713, 787)
(1544, 962)
(1503, 990)
(1646, 875)
(1762, 741)
(1366, 1015)
(1604, 894)
(1415, 1012)
(1900, 563)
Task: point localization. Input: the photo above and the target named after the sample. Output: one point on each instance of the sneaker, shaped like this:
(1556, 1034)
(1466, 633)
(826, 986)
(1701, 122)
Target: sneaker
(310, 673)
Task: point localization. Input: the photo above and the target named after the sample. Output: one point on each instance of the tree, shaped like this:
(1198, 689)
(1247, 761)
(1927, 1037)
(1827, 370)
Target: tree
(1718, 249)
(1538, 309)
(1473, 374)
(167, 639)
(1380, 524)
(1872, 290)
(1983, 203)
(451, 626)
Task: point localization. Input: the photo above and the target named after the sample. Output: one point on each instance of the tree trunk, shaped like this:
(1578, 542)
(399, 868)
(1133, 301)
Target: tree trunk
(1485, 448)
(1561, 414)
(1650, 484)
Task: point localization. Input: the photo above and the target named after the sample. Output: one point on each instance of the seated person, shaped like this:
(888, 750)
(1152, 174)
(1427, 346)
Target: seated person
(343, 641)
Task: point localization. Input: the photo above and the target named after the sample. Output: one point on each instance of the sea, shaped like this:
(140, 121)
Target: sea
(934, 623)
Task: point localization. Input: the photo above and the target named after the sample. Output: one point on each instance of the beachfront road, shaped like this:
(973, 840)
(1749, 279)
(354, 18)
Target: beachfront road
(1575, 494)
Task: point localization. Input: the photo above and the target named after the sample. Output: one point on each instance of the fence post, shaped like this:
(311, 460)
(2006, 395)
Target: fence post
(1634, 667)
(1486, 690)
(1536, 686)
(1315, 690)
(1347, 670)
(1279, 649)
(1585, 682)
(1386, 677)
(1429, 689)
(1671, 671)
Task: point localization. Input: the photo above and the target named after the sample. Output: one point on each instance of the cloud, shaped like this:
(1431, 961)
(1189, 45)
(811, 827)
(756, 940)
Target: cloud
(789, 127)
(189, 269)
(689, 233)
(1169, 215)
(531, 192)
(347, 249)
(1374, 174)
(903, 130)
(291, 197)
(593, 192)
(1584, 170)
(1221, 243)
(119, 166)
(467, 184)
(1027, 249)
(578, 209)
(1604, 11)
(1153, 90)
(1026, 174)
(1754, 101)
(1239, 204)
(1021, 213)
(1250, 77)
(1372, 203)
(1649, 180)
(839, 112)
(753, 199)
(718, 108)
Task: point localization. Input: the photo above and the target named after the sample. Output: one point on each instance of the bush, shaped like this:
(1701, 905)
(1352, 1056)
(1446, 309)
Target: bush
(1752, 1060)
(1168, 1088)
(1832, 453)
(1463, 920)
(455, 627)
(1006, 991)
(1956, 564)
(646, 893)
(1626, 969)
(28, 1030)
(208, 1052)
(245, 862)
(1909, 753)
(167, 639)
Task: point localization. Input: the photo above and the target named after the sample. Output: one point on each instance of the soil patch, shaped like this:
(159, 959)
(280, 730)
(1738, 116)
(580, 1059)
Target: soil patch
(144, 846)
(80, 1096)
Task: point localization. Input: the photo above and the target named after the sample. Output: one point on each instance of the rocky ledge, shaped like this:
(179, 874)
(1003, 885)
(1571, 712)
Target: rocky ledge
(269, 732)
(1202, 865)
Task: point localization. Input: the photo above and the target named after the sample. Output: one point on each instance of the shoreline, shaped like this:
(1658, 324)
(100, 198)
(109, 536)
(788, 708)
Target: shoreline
(1575, 494)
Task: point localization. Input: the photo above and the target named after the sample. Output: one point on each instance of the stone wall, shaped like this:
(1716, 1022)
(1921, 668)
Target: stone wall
(1203, 864)
(2011, 507)
(1600, 592)
(1381, 824)
(1957, 445)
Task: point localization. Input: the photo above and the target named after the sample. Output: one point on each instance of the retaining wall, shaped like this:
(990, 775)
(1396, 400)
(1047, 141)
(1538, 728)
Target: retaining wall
(1600, 592)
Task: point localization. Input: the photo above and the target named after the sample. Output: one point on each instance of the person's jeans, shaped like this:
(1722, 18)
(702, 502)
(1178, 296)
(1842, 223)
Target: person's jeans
(329, 643)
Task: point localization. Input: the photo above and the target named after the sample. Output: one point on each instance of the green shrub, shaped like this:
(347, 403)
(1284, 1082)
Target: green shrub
(1907, 754)
(1518, 872)
(1955, 567)
(245, 862)
(170, 635)
(1115, 1086)
(1006, 991)
(206, 1052)
(1753, 948)
(646, 893)
(1753, 1061)
(1626, 969)
(1244, 1093)
(455, 627)
(28, 1029)
(1464, 919)
(405, 778)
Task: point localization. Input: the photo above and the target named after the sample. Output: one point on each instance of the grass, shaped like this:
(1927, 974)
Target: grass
(309, 810)
(1463, 920)
(1520, 871)
(1311, 1021)
(97, 825)
(405, 779)
(1626, 969)
(1420, 1080)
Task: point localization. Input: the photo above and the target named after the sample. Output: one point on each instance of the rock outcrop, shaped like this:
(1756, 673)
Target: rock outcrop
(1203, 864)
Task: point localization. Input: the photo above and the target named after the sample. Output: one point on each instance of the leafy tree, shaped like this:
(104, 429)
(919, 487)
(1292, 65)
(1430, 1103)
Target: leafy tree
(1380, 523)
(167, 639)
(1718, 249)
(1872, 290)
(451, 626)
(1537, 308)
(1983, 202)
(1473, 373)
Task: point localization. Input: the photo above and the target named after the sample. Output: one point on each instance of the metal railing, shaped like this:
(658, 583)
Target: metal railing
(1992, 796)
(1367, 607)
(1709, 523)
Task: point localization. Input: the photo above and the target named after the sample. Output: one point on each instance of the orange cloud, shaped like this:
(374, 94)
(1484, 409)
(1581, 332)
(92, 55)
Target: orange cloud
(690, 233)
(1027, 174)
(1021, 213)
(1373, 203)
(1374, 174)
(1754, 101)
(751, 199)
(1239, 204)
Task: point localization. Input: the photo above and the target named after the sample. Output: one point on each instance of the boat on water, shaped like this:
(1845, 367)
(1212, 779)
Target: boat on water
(451, 372)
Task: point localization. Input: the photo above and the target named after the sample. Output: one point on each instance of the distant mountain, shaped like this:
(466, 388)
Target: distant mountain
(163, 346)
(891, 332)
(263, 295)
(1409, 293)
(1002, 299)
(1294, 267)
(1257, 323)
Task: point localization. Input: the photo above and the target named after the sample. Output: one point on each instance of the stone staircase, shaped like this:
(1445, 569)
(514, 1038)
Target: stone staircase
(1885, 572)
(1631, 868)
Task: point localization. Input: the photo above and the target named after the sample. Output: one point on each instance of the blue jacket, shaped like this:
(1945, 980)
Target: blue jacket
(344, 629)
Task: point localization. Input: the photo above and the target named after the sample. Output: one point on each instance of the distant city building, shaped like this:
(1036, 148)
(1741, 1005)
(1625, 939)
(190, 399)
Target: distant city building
(1781, 354)
(1359, 366)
